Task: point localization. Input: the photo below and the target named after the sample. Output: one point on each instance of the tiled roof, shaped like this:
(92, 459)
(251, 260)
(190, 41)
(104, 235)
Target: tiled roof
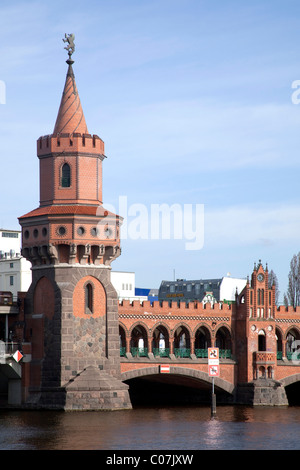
(98, 211)
(70, 118)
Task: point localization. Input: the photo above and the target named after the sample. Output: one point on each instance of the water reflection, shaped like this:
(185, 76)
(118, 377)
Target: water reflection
(178, 428)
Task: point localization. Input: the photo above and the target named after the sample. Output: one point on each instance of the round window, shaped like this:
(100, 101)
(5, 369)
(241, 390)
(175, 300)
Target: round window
(94, 231)
(62, 230)
(80, 230)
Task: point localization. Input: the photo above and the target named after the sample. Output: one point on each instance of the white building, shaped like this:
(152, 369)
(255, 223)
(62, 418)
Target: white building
(15, 271)
(124, 283)
(10, 243)
(230, 286)
(15, 275)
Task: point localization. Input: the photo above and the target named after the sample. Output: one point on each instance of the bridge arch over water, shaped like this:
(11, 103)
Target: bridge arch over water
(192, 375)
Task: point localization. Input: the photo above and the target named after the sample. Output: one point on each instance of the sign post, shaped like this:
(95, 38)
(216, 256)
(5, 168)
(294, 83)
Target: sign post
(213, 371)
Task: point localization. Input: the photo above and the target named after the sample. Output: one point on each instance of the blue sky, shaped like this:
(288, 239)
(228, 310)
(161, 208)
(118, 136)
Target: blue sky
(193, 100)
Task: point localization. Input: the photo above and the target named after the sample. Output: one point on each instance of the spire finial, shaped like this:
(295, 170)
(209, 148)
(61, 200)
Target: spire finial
(70, 47)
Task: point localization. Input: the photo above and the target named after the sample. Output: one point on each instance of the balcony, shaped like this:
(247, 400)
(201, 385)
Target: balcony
(264, 357)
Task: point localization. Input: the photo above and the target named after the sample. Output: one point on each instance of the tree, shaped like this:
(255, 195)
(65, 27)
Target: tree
(292, 295)
(272, 279)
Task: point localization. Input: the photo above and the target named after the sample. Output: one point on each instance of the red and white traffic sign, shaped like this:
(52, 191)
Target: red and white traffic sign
(17, 356)
(214, 371)
(165, 369)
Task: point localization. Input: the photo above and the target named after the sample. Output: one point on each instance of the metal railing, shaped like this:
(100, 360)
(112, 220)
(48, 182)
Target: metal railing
(182, 352)
(225, 353)
(178, 352)
(8, 348)
(161, 352)
(201, 353)
(139, 352)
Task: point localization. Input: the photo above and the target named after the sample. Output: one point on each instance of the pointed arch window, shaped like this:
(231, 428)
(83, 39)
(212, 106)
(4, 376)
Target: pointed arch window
(66, 176)
(88, 298)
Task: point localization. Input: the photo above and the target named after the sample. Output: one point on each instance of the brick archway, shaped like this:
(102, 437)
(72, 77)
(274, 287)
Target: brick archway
(175, 370)
(291, 379)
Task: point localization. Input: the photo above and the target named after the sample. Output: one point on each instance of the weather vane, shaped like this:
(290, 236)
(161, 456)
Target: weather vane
(71, 46)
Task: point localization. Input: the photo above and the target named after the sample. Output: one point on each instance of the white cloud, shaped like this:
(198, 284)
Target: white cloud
(252, 225)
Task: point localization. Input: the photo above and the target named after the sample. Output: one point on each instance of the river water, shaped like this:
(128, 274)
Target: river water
(165, 428)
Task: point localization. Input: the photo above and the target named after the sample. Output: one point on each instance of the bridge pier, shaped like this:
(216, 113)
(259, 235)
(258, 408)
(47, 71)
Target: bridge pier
(262, 392)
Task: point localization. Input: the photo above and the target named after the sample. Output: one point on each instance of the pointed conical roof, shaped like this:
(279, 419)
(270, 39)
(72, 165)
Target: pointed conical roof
(70, 118)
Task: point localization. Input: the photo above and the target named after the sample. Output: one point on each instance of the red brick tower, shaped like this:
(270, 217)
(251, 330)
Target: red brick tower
(71, 240)
(256, 345)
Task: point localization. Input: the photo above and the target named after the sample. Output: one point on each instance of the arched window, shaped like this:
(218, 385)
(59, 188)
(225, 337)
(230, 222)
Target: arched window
(88, 298)
(261, 340)
(66, 176)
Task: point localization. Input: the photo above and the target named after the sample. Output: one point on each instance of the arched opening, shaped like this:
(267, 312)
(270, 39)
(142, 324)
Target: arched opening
(202, 342)
(182, 343)
(185, 387)
(66, 176)
(89, 301)
(293, 393)
(122, 337)
(293, 344)
(261, 340)
(278, 336)
(139, 342)
(160, 342)
(223, 342)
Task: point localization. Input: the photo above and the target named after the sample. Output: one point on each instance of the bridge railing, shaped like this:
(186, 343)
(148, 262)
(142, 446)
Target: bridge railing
(290, 356)
(161, 352)
(139, 352)
(178, 352)
(182, 352)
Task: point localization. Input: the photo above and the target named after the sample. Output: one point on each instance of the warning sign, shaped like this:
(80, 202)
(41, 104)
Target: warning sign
(214, 371)
(213, 354)
(17, 356)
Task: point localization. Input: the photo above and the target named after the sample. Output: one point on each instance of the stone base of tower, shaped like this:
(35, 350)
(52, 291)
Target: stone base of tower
(91, 390)
(96, 390)
(262, 392)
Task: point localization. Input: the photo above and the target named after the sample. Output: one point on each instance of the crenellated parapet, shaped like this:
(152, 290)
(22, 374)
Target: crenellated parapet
(70, 144)
(165, 307)
(283, 310)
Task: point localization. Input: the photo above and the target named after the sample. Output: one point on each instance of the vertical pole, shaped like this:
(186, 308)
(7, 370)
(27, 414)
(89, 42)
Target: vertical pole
(213, 398)
(6, 328)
